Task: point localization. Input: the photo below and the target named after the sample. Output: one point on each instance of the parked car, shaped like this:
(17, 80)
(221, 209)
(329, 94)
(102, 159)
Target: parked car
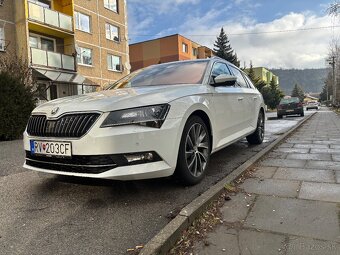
(313, 105)
(162, 120)
(289, 106)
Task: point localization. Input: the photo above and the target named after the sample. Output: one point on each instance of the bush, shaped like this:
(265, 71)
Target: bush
(16, 105)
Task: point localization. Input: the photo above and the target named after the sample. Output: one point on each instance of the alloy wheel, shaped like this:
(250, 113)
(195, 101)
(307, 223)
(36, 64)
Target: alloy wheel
(261, 126)
(197, 149)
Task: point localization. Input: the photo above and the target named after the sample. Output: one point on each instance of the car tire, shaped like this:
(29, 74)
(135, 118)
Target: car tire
(279, 116)
(302, 114)
(258, 136)
(194, 152)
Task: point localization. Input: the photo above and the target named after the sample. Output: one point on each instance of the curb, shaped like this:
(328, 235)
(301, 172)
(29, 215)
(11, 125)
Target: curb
(167, 237)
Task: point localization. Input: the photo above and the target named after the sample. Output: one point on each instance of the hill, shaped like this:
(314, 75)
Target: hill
(311, 80)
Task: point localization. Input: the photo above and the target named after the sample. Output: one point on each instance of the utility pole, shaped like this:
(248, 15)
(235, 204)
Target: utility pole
(332, 63)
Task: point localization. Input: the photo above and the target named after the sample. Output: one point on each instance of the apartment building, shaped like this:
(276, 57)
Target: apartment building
(265, 75)
(166, 49)
(72, 46)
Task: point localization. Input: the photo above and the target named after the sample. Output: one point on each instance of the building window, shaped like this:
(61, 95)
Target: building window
(83, 22)
(185, 47)
(43, 43)
(84, 56)
(112, 32)
(114, 63)
(111, 5)
(2, 39)
(194, 51)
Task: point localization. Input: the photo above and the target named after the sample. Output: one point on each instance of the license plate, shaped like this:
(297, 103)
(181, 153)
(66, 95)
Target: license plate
(290, 111)
(50, 148)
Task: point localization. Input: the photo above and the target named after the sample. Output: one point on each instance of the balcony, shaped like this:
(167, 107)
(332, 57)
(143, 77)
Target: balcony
(50, 17)
(52, 59)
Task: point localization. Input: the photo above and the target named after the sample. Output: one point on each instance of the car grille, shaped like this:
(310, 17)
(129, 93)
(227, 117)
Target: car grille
(76, 164)
(71, 125)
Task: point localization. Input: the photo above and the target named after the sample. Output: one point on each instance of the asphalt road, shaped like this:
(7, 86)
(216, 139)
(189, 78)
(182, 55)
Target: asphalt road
(63, 215)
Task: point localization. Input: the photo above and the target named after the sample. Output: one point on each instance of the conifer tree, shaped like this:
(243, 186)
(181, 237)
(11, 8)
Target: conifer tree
(298, 92)
(223, 49)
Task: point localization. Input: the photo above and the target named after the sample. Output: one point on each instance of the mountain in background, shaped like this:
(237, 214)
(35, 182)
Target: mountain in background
(310, 80)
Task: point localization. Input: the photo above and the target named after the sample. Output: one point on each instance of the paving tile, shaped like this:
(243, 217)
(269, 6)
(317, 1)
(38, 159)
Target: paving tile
(323, 165)
(313, 219)
(283, 188)
(320, 191)
(291, 150)
(333, 151)
(264, 172)
(310, 156)
(335, 146)
(326, 142)
(336, 157)
(237, 208)
(309, 246)
(221, 242)
(283, 162)
(310, 146)
(257, 243)
(296, 141)
(286, 145)
(337, 176)
(278, 155)
(304, 175)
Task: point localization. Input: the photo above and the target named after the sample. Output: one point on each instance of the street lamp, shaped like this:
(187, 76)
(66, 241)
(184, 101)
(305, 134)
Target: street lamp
(331, 61)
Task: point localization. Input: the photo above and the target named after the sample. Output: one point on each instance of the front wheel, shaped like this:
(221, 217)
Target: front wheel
(194, 151)
(258, 136)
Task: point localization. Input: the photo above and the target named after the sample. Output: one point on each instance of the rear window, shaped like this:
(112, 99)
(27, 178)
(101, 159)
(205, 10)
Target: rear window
(290, 100)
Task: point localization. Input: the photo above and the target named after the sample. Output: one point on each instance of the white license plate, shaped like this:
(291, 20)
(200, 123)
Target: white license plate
(51, 148)
(290, 111)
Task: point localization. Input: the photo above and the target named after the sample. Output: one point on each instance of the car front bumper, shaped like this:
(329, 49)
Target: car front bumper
(113, 141)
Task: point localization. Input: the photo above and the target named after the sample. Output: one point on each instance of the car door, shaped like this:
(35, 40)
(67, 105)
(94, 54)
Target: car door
(256, 99)
(246, 100)
(228, 108)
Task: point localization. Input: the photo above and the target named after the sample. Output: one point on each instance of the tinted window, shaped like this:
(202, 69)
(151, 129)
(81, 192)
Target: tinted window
(250, 83)
(290, 100)
(219, 68)
(188, 72)
(240, 80)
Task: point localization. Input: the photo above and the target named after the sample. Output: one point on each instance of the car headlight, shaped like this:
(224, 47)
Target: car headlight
(150, 116)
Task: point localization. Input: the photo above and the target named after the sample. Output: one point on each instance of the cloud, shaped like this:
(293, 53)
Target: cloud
(266, 46)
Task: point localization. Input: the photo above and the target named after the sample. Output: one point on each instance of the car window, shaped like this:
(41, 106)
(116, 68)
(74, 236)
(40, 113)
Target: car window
(240, 80)
(290, 100)
(175, 73)
(219, 68)
(250, 83)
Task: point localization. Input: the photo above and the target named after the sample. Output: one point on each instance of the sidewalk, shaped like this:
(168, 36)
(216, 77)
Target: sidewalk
(291, 204)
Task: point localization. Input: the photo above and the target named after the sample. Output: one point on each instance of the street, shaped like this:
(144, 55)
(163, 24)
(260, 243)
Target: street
(61, 215)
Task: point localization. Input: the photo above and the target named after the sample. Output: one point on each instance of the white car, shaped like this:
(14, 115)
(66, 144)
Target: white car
(162, 120)
(312, 105)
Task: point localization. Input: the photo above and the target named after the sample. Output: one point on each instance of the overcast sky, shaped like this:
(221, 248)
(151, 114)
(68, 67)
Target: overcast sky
(201, 21)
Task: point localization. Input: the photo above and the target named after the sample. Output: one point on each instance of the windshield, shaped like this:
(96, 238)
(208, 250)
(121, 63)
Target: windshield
(186, 72)
(290, 100)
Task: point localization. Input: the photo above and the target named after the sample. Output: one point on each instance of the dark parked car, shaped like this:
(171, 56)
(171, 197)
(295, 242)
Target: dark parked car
(289, 106)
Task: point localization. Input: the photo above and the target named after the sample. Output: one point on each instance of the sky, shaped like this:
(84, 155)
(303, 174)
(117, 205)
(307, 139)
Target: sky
(257, 29)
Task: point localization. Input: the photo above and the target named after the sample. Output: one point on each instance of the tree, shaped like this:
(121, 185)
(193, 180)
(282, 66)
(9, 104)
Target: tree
(298, 92)
(272, 94)
(17, 89)
(259, 84)
(223, 49)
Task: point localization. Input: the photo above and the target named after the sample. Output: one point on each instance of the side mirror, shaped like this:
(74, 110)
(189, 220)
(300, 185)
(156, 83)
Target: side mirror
(224, 80)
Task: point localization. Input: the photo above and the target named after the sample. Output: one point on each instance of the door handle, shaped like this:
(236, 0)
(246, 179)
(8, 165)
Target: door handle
(255, 98)
(240, 98)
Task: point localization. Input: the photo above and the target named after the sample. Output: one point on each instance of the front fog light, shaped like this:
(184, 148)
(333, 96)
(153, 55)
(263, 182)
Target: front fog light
(136, 158)
(143, 157)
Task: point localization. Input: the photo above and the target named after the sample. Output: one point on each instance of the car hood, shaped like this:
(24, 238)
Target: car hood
(110, 100)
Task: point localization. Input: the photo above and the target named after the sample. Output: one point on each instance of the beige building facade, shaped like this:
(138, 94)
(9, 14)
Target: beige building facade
(72, 46)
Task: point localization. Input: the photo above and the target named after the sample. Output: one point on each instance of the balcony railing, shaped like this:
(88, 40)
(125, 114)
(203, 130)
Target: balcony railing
(49, 17)
(52, 59)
